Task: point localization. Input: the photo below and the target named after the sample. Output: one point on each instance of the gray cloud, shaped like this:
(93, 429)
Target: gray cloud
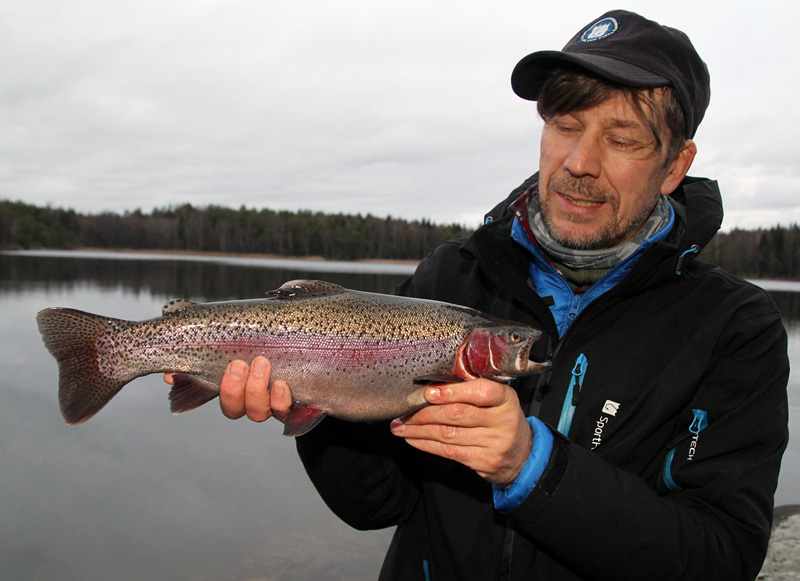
(402, 110)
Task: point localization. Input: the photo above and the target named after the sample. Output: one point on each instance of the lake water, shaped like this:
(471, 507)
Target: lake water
(137, 493)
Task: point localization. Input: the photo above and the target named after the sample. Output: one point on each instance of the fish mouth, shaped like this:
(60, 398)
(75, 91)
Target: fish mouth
(524, 364)
(537, 366)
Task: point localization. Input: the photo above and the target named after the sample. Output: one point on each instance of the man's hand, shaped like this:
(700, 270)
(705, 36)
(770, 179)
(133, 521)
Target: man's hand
(245, 391)
(478, 423)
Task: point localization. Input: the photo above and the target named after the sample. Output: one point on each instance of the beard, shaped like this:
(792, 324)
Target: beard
(607, 235)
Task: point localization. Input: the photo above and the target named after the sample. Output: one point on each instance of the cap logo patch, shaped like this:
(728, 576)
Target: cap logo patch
(600, 29)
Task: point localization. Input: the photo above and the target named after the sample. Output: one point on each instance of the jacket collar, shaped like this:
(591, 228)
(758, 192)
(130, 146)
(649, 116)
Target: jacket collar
(697, 203)
(698, 215)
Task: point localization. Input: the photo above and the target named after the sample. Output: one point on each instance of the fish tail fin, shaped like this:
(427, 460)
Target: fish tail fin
(71, 336)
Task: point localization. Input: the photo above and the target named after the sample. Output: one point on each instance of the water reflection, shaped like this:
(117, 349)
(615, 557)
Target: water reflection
(137, 493)
(789, 304)
(177, 277)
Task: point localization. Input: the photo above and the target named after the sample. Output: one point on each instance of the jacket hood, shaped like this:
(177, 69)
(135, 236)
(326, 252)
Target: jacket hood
(698, 203)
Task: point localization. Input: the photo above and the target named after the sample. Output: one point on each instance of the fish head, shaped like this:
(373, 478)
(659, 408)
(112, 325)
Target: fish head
(501, 352)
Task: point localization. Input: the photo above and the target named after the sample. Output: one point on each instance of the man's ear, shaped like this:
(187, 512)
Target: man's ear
(678, 167)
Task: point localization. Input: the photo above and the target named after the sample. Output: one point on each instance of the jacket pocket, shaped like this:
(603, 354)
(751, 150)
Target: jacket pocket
(699, 423)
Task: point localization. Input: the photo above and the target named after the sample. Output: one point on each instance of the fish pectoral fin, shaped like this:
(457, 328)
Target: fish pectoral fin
(435, 379)
(189, 392)
(302, 418)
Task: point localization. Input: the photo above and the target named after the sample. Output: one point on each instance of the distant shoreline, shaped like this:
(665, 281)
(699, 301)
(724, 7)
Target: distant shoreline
(291, 263)
(402, 266)
(235, 255)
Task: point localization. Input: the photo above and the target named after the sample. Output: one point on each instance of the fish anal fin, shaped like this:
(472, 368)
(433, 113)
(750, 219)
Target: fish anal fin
(302, 419)
(301, 289)
(176, 306)
(189, 392)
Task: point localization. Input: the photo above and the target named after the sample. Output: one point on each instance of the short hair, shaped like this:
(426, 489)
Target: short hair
(566, 90)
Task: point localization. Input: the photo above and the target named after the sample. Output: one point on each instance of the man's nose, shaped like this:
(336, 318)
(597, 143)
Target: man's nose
(584, 157)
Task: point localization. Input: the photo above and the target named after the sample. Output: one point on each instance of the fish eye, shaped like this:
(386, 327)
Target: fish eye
(515, 336)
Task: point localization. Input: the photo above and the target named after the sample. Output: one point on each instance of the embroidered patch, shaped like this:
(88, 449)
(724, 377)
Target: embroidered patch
(600, 29)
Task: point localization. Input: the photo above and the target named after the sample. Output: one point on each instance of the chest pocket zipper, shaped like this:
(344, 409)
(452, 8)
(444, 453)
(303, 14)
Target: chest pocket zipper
(571, 399)
(699, 423)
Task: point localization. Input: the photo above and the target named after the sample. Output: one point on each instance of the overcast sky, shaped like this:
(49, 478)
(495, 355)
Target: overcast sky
(389, 108)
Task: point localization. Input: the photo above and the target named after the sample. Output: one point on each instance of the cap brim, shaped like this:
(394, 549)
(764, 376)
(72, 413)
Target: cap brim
(531, 72)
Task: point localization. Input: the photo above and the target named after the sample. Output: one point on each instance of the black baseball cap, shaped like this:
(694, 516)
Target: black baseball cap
(625, 48)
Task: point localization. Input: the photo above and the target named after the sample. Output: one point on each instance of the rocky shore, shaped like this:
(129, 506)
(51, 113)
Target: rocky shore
(783, 557)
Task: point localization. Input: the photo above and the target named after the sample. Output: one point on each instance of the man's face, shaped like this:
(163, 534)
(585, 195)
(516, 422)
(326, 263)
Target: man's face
(598, 176)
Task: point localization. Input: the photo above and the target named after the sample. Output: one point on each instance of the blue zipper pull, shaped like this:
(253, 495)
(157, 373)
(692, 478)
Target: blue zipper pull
(571, 399)
(574, 309)
(699, 422)
(578, 373)
(679, 267)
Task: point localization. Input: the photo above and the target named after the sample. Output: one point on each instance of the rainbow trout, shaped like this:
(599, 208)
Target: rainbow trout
(353, 355)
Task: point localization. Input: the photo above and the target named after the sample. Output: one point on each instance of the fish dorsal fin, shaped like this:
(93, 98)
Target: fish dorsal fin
(301, 289)
(176, 306)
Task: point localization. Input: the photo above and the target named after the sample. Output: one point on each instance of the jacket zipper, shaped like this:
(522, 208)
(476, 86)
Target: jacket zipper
(508, 549)
(574, 390)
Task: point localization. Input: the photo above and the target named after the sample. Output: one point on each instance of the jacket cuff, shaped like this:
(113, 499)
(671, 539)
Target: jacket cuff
(506, 499)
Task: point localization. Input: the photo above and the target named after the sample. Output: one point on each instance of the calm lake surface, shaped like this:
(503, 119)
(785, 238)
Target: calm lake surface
(137, 493)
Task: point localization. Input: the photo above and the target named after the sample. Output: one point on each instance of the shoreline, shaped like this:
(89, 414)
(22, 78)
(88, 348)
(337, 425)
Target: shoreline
(314, 258)
(781, 513)
(783, 554)
(302, 263)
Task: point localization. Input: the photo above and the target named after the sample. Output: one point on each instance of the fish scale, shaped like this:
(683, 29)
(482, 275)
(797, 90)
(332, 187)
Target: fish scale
(353, 355)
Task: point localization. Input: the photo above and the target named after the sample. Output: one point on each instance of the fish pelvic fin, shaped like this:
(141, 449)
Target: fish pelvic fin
(302, 418)
(189, 392)
(71, 337)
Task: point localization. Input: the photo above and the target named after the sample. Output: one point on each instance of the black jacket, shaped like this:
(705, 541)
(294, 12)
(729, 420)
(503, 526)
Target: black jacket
(673, 453)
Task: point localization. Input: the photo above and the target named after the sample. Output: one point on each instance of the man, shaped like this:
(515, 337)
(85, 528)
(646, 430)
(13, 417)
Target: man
(652, 448)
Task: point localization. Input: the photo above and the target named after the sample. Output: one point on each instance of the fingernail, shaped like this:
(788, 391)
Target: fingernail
(236, 370)
(277, 390)
(258, 368)
(397, 426)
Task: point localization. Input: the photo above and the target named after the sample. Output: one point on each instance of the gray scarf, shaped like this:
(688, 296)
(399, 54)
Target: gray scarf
(605, 258)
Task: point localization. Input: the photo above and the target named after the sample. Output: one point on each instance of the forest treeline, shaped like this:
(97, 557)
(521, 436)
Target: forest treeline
(762, 253)
(221, 229)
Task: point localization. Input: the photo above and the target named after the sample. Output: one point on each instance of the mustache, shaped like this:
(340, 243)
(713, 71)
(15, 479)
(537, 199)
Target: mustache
(584, 187)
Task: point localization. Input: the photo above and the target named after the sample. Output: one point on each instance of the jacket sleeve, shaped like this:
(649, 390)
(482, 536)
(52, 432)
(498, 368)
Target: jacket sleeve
(711, 517)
